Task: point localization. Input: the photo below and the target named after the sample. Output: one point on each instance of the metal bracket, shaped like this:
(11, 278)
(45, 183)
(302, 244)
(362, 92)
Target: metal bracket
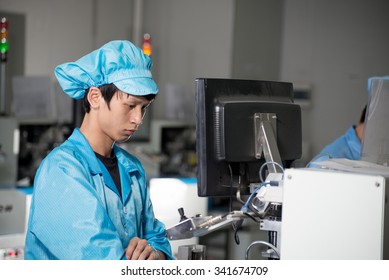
(265, 139)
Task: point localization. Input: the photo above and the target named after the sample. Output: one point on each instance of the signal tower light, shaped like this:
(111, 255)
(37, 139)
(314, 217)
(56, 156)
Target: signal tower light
(146, 46)
(4, 45)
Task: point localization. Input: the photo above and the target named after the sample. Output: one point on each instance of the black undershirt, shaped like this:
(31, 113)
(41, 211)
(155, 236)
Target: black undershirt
(111, 163)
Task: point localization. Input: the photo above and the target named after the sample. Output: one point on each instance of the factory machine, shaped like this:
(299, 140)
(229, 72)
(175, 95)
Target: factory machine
(13, 203)
(14, 208)
(326, 214)
(338, 210)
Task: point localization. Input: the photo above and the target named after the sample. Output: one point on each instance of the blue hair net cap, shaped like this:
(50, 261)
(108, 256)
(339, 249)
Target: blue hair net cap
(118, 62)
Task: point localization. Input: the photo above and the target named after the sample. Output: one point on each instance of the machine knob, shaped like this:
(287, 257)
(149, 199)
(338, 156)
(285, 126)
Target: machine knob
(182, 215)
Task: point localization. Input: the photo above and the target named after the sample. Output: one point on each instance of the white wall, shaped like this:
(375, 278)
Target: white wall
(191, 39)
(257, 39)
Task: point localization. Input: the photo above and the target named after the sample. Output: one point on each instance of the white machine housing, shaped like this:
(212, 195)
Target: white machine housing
(334, 215)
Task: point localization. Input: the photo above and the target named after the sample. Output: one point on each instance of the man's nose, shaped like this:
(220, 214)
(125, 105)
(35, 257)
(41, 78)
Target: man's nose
(137, 116)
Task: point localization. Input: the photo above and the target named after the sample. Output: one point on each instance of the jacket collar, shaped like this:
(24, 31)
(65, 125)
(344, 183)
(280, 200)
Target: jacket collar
(128, 165)
(83, 148)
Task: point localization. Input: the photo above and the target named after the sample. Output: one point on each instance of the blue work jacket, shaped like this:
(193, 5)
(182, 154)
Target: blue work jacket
(347, 146)
(77, 213)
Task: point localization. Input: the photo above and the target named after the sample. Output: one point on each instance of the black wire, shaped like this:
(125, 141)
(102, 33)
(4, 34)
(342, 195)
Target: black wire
(252, 217)
(236, 225)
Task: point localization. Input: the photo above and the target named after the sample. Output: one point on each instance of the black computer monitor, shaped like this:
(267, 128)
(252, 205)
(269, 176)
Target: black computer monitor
(226, 138)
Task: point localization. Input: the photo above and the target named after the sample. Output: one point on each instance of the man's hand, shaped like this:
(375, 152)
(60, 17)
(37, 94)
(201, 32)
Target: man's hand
(139, 249)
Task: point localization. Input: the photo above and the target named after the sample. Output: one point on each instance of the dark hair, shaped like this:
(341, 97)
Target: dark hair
(363, 114)
(108, 91)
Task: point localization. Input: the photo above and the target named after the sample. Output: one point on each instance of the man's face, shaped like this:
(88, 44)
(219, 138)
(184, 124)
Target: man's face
(124, 117)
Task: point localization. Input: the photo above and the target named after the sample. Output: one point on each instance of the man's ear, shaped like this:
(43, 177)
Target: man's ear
(94, 97)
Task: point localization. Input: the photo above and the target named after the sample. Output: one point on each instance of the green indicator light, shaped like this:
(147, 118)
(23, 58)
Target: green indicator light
(4, 47)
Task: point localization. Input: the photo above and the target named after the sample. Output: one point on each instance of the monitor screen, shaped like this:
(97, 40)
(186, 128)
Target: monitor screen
(226, 136)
